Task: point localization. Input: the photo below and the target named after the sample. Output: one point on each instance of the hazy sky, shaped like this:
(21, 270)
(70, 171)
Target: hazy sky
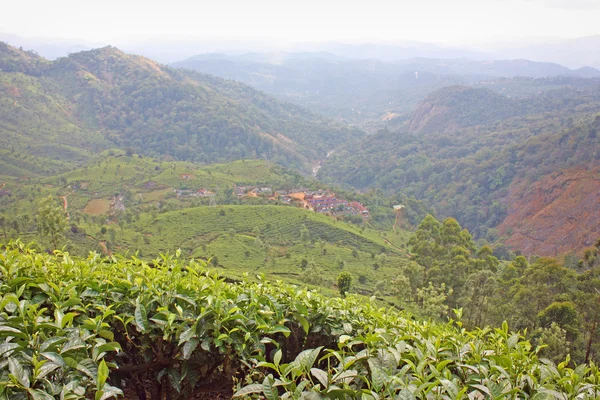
(442, 21)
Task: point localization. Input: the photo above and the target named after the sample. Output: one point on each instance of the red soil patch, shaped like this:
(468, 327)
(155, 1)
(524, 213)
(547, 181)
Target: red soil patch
(389, 116)
(14, 91)
(558, 214)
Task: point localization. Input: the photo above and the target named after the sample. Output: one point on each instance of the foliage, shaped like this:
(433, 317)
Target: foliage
(51, 221)
(464, 169)
(544, 297)
(178, 328)
(344, 282)
(120, 100)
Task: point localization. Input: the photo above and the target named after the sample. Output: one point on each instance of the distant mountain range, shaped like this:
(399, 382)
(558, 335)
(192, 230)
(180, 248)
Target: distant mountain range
(573, 53)
(368, 93)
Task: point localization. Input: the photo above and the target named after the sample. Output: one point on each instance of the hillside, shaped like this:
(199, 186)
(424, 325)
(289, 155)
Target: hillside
(464, 163)
(554, 215)
(457, 107)
(94, 100)
(130, 203)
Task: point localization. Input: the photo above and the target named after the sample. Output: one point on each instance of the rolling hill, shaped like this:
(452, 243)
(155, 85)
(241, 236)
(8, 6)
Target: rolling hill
(90, 101)
(120, 203)
(475, 155)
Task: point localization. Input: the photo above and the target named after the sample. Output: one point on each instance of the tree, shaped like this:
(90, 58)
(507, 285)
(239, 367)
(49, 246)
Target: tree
(520, 263)
(304, 235)
(3, 225)
(52, 222)
(432, 300)
(424, 243)
(401, 287)
(312, 275)
(344, 281)
(565, 315)
(303, 263)
(555, 340)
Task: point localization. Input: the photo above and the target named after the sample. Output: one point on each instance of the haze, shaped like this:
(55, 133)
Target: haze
(456, 22)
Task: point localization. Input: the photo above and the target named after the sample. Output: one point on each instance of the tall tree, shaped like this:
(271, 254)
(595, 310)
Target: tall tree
(344, 281)
(52, 221)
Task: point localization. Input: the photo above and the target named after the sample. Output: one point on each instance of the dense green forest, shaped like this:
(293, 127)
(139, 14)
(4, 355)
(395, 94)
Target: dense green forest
(104, 98)
(462, 162)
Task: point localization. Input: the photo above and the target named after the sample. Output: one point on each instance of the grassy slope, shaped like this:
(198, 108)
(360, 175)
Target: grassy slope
(227, 232)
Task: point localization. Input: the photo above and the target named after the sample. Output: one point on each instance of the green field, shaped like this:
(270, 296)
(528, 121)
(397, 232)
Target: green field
(256, 235)
(263, 239)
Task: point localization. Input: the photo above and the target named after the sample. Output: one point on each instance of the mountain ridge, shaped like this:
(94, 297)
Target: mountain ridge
(134, 101)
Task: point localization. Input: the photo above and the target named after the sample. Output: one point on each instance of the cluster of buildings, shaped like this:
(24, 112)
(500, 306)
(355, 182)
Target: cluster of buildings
(325, 202)
(320, 201)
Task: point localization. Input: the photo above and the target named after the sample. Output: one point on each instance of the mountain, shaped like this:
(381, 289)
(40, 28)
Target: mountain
(117, 99)
(364, 92)
(575, 53)
(475, 155)
(390, 51)
(454, 107)
(496, 68)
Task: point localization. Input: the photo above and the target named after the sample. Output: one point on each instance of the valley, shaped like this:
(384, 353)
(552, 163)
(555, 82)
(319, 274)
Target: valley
(319, 227)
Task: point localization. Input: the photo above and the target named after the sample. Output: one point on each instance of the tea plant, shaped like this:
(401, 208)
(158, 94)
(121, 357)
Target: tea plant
(83, 328)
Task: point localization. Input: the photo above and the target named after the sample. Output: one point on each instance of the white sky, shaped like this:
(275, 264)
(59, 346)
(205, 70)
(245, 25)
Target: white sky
(442, 21)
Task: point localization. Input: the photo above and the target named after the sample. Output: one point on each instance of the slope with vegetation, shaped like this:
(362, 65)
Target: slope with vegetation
(122, 202)
(465, 164)
(556, 214)
(94, 100)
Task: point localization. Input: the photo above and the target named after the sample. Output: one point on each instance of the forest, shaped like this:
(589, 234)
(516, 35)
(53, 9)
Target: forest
(467, 171)
(134, 102)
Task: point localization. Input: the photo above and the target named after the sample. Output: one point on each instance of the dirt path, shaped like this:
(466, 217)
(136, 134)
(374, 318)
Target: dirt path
(4, 184)
(398, 248)
(65, 202)
(398, 213)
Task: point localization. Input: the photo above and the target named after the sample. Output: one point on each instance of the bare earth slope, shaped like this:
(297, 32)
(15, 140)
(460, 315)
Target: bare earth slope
(558, 214)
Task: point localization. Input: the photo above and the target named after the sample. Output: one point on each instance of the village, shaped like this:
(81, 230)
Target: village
(320, 201)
